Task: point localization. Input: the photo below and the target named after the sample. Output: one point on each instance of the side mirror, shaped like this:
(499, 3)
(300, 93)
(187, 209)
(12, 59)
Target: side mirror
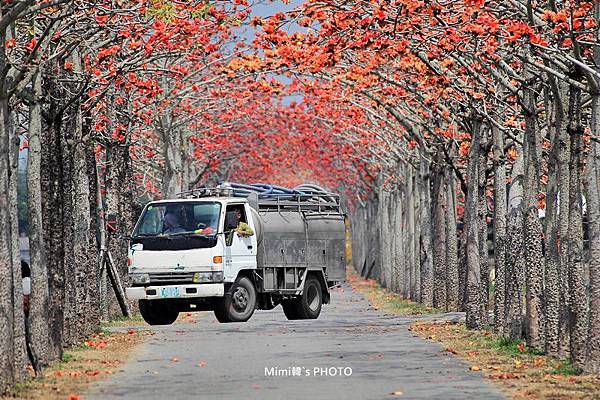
(230, 220)
(111, 223)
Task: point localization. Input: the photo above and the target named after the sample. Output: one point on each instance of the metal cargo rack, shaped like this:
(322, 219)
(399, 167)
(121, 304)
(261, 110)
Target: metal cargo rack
(307, 198)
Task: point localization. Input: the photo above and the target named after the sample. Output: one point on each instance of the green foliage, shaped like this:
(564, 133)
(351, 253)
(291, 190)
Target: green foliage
(511, 347)
(119, 320)
(407, 307)
(566, 368)
(166, 11)
(68, 356)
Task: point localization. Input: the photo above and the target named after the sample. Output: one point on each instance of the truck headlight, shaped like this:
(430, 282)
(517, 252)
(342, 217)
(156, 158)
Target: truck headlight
(218, 276)
(140, 279)
(204, 277)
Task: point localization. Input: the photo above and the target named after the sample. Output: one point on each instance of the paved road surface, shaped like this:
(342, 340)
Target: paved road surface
(383, 355)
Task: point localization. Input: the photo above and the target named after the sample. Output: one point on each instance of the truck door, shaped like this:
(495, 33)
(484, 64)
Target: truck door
(240, 251)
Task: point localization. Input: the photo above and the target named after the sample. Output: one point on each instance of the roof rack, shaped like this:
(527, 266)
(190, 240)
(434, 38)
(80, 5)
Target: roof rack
(305, 198)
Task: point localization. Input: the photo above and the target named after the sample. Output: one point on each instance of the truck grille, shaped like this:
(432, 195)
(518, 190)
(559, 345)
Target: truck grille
(172, 278)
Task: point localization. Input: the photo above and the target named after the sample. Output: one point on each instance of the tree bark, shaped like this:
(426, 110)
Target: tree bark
(38, 312)
(500, 205)
(398, 244)
(578, 296)
(592, 183)
(532, 226)
(452, 290)
(426, 233)
(119, 195)
(19, 341)
(414, 265)
(439, 236)
(592, 186)
(473, 274)
(483, 227)
(563, 156)
(53, 227)
(7, 285)
(551, 242)
(514, 256)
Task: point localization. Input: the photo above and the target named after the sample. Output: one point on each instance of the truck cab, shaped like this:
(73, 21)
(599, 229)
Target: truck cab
(232, 253)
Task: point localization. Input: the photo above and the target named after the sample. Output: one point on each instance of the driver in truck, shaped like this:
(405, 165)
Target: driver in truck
(171, 224)
(243, 229)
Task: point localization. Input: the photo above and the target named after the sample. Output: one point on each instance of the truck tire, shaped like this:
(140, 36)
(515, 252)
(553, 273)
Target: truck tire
(308, 305)
(239, 302)
(157, 312)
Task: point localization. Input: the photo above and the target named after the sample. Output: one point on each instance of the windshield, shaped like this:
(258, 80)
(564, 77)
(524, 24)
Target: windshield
(179, 218)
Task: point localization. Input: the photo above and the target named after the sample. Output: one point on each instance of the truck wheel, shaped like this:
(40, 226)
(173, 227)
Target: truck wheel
(157, 312)
(239, 303)
(290, 309)
(308, 305)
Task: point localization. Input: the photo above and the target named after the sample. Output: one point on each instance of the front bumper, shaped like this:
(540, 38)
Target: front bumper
(175, 291)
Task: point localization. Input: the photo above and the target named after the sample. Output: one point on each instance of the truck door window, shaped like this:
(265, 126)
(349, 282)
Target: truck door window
(235, 208)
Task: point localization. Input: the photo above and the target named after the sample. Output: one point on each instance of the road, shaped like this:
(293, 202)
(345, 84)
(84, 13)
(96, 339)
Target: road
(208, 360)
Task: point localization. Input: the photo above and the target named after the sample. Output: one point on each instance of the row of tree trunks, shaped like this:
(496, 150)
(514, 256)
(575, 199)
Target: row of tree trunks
(526, 277)
(67, 234)
(415, 238)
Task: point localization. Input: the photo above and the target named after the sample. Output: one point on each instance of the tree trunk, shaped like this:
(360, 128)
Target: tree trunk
(439, 237)
(483, 228)
(7, 286)
(382, 224)
(514, 255)
(578, 295)
(94, 292)
(399, 239)
(426, 233)
(473, 274)
(173, 179)
(452, 291)
(563, 156)
(592, 182)
(551, 242)
(532, 225)
(592, 186)
(19, 346)
(414, 242)
(500, 203)
(82, 250)
(53, 227)
(38, 312)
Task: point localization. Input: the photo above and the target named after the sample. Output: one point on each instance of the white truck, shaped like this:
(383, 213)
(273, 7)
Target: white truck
(189, 254)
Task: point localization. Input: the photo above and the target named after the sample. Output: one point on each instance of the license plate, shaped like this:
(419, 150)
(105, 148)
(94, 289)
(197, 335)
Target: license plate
(170, 292)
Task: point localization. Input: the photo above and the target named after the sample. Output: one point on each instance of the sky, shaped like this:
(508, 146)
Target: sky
(264, 9)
